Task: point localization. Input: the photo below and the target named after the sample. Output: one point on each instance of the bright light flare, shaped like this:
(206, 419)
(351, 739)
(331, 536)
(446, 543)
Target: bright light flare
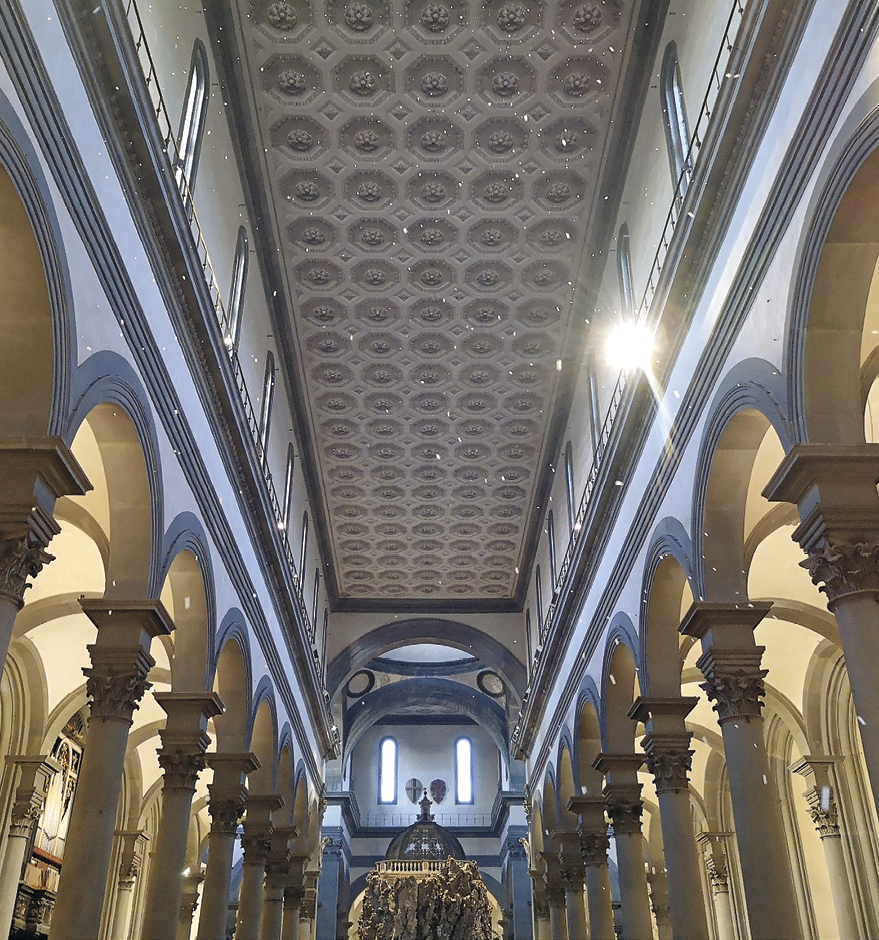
(629, 346)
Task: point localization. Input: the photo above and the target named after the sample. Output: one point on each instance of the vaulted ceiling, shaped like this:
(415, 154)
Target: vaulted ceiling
(433, 171)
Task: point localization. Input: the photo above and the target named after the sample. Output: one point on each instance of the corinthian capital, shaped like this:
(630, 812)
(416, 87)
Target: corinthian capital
(594, 847)
(21, 557)
(669, 759)
(117, 681)
(841, 567)
(256, 846)
(226, 812)
(822, 809)
(625, 813)
(734, 681)
(181, 769)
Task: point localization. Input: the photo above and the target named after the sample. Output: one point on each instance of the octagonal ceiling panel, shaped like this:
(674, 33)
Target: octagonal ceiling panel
(432, 167)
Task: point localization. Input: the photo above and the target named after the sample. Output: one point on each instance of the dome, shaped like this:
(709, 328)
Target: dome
(424, 839)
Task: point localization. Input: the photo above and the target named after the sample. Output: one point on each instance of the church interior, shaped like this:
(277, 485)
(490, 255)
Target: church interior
(438, 469)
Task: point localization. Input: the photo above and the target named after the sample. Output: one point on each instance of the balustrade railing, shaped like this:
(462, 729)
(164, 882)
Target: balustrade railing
(449, 820)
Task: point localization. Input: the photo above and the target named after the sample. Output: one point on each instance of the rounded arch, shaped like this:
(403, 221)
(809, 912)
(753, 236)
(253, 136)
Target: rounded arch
(264, 739)
(188, 586)
(740, 417)
(233, 683)
(566, 785)
(825, 318)
(587, 742)
(667, 579)
(36, 312)
(415, 630)
(120, 454)
(619, 680)
(286, 769)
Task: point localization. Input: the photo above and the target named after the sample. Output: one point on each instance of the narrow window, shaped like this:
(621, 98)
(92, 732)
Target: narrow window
(287, 507)
(314, 602)
(265, 415)
(236, 291)
(624, 270)
(463, 771)
(674, 115)
(539, 600)
(569, 483)
(387, 771)
(303, 547)
(192, 120)
(550, 533)
(594, 410)
(528, 640)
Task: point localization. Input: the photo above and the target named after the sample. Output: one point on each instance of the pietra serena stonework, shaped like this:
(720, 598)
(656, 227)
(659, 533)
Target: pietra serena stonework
(433, 166)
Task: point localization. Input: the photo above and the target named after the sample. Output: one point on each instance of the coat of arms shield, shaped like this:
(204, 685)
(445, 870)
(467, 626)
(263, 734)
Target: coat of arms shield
(438, 790)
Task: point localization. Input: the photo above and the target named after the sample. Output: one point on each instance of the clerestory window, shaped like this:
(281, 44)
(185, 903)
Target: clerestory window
(387, 771)
(192, 120)
(463, 770)
(674, 115)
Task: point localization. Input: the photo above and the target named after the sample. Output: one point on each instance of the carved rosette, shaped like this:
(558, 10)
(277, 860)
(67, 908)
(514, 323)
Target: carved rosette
(24, 818)
(21, 558)
(625, 814)
(717, 874)
(669, 760)
(226, 814)
(256, 846)
(734, 682)
(115, 697)
(594, 847)
(181, 769)
(824, 813)
(842, 568)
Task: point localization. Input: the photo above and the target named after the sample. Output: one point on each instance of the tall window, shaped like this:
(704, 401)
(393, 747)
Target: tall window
(303, 547)
(195, 108)
(624, 269)
(268, 393)
(594, 407)
(287, 506)
(314, 603)
(387, 771)
(674, 115)
(463, 770)
(550, 534)
(538, 592)
(236, 291)
(569, 483)
(528, 640)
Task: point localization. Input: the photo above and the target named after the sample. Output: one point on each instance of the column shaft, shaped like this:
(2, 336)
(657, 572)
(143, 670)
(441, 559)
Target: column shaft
(217, 881)
(558, 928)
(635, 911)
(575, 912)
(598, 895)
(292, 902)
(840, 886)
(272, 913)
(257, 843)
(726, 929)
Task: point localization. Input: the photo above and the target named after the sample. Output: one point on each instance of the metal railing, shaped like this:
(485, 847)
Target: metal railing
(718, 74)
(449, 820)
(175, 159)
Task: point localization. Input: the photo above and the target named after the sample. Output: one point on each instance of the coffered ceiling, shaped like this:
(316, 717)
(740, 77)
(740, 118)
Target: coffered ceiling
(433, 169)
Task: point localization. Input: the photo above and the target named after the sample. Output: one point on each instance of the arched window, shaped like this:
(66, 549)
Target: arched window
(624, 270)
(529, 642)
(387, 771)
(236, 291)
(674, 115)
(538, 592)
(195, 109)
(287, 505)
(463, 770)
(303, 546)
(550, 533)
(569, 483)
(265, 414)
(314, 601)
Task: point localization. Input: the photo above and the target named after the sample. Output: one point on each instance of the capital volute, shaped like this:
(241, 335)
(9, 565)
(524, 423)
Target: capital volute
(21, 557)
(669, 759)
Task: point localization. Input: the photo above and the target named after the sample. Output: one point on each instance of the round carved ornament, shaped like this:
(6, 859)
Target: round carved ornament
(433, 141)
(359, 17)
(313, 236)
(577, 84)
(433, 192)
(558, 192)
(511, 17)
(587, 18)
(432, 277)
(436, 17)
(324, 314)
(488, 278)
(300, 140)
(566, 141)
(496, 192)
(360, 684)
(431, 315)
(500, 142)
(282, 15)
(292, 82)
(307, 190)
(372, 236)
(505, 84)
(319, 276)
(363, 83)
(552, 237)
(375, 276)
(369, 192)
(434, 84)
(432, 236)
(491, 237)
(367, 141)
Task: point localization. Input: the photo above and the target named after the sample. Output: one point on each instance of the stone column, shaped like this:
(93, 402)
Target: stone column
(594, 843)
(825, 816)
(34, 472)
(521, 926)
(573, 877)
(257, 843)
(293, 897)
(555, 891)
(623, 796)
(657, 882)
(730, 662)
(132, 844)
(669, 759)
(188, 902)
(181, 757)
(116, 683)
(278, 871)
(308, 910)
(834, 487)
(330, 884)
(540, 905)
(34, 777)
(714, 847)
(228, 796)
